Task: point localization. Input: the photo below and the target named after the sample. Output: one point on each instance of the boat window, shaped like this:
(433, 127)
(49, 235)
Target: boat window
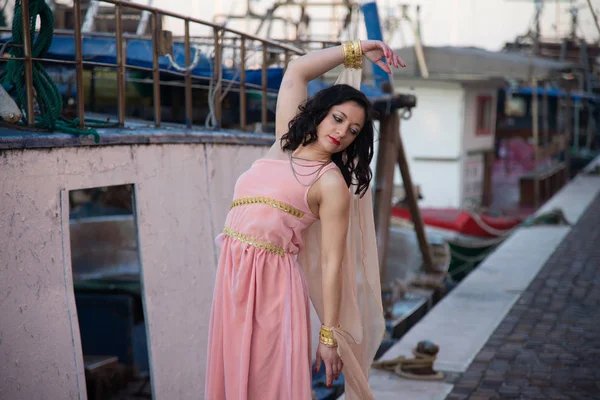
(515, 106)
(107, 280)
(484, 115)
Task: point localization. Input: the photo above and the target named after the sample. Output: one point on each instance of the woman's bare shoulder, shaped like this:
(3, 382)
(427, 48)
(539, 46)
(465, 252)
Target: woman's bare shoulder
(332, 187)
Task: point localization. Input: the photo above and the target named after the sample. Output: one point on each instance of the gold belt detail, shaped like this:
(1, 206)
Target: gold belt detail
(269, 201)
(252, 241)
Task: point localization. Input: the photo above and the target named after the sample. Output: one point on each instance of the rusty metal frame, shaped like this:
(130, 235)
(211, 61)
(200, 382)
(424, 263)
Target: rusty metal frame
(243, 86)
(121, 60)
(264, 78)
(220, 36)
(188, 78)
(28, 62)
(78, 63)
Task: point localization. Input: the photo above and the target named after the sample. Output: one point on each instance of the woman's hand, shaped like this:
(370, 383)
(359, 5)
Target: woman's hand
(376, 51)
(333, 363)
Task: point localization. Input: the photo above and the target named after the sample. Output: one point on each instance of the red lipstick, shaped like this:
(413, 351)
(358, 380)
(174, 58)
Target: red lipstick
(334, 140)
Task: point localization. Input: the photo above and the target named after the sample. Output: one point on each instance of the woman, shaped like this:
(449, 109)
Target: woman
(287, 234)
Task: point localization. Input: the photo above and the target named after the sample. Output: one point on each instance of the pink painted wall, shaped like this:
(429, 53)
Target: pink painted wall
(183, 194)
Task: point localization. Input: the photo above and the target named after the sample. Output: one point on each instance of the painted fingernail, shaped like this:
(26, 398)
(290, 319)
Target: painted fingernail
(328, 385)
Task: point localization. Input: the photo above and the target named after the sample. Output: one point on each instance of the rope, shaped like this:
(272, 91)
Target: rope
(466, 267)
(480, 244)
(190, 67)
(211, 118)
(471, 259)
(48, 96)
(492, 231)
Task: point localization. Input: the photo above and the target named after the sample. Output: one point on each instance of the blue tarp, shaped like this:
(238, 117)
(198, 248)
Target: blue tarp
(139, 54)
(554, 92)
(373, 25)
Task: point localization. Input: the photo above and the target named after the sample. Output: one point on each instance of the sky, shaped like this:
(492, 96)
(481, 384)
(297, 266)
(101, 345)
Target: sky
(481, 23)
(491, 23)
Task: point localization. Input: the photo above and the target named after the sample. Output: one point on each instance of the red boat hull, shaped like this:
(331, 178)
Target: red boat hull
(460, 221)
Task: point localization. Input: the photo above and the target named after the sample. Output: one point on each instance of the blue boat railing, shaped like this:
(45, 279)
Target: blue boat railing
(177, 56)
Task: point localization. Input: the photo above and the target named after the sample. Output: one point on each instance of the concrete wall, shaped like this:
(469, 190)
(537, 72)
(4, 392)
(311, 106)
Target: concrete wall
(183, 193)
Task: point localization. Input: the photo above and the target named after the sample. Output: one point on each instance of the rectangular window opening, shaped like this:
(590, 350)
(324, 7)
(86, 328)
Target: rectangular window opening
(107, 282)
(484, 115)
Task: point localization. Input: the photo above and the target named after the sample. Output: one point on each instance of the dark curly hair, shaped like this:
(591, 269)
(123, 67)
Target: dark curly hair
(354, 161)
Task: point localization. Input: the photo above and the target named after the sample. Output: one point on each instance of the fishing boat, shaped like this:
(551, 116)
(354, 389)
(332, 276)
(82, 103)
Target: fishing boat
(558, 118)
(462, 222)
(117, 174)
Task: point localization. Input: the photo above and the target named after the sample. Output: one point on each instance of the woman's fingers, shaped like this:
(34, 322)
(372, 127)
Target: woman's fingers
(385, 48)
(401, 62)
(334, 371)
(329, 373)
(340, 366)
(318, 362)
(391, 58)
(384, 66)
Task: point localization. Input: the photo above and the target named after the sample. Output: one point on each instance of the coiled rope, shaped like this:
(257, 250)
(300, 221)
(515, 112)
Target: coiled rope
(48, 97)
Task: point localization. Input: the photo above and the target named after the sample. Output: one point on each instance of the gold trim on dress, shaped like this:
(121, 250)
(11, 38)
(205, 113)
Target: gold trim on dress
(252, 241)
(269, 201)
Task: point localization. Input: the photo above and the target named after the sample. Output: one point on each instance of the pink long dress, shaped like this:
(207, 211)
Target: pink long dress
(259, 337)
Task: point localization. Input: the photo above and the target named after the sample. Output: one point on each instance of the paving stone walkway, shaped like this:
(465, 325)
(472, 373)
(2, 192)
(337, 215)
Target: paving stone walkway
(548, 346)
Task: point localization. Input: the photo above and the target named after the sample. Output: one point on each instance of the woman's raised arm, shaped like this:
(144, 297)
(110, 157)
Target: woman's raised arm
(304, 69)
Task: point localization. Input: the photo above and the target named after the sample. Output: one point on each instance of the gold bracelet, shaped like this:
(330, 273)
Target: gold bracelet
(346, 52)
(326, 336)
(358, 59)
(352, 51)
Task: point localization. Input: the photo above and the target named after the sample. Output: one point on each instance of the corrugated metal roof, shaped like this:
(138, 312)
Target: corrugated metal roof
(473, 64)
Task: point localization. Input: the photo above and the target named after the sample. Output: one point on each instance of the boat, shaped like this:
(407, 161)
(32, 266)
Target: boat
(467, 253)
(111, 291)
(462, 222)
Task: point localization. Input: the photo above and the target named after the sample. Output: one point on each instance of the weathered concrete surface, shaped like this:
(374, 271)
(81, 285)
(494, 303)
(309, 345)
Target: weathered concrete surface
(182, 192)
(135, 133)
(463, 322)
(387, 386)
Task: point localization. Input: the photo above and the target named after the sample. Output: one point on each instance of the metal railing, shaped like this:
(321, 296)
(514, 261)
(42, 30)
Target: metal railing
(223, 39)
